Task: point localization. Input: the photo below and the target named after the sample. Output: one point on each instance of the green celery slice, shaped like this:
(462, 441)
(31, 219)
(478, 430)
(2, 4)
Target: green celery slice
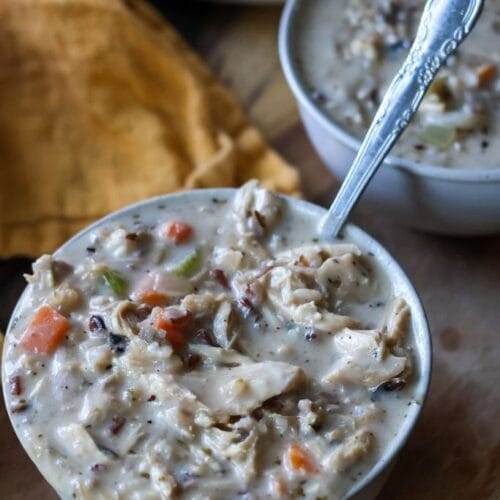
(188, 265)
(114, 281)
(438, 137)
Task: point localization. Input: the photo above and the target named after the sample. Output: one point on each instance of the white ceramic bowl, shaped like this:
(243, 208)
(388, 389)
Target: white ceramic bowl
(368, 487)
(444, 200)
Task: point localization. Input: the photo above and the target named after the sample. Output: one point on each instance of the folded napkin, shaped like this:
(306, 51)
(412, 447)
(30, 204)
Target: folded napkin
(102, 104)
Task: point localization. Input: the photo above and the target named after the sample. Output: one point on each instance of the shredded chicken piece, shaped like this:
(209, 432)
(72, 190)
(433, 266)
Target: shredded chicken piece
(396, 322)
(172, 394)
(352, 450)
(42, 278)
(201, 304)
(123, 319)
(99, 400)
(227, 259)
(299, 282)
(76, 442)
(215, 356)
(283, 283)
(64, 298)
(239, 390)
(143, 357)
(335, 269)
(308, 416)
(254, 209)
(118, 244)
(224, 328)
(315, 255)
(346, 276)
(363, 359)
(237, 445)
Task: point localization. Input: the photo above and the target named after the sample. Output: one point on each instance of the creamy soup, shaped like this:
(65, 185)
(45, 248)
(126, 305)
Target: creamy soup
(349, 51)
(209, 349)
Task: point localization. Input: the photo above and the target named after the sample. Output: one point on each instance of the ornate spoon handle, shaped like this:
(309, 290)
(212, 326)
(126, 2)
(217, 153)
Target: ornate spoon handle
(444, 25)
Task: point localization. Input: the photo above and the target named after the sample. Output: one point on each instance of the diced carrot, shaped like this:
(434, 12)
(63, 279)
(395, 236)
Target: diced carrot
(160, 323)
(152, 298)
(173, 335)
(172, 320)
(45, 331)
(485, 74)
(175, 338)
(179, 232)
(299, 459)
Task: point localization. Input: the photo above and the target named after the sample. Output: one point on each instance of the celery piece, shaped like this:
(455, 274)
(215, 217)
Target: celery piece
(188, 265)
(114, 281)
(438, 137)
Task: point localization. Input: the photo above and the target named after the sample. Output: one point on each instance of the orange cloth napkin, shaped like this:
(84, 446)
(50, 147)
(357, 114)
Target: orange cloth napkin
(102, 104)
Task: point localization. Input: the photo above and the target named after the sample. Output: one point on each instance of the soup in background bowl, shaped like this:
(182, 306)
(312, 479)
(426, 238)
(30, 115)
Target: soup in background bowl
(351, 50)
(339, 57)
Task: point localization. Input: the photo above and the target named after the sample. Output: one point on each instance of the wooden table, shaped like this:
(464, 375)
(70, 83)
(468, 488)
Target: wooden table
(454, 452)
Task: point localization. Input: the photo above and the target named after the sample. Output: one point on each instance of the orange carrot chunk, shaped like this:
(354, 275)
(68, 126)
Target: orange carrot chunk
(45, 331)
(152, 298)
(485, 74)
(174, 336)
(179, 232)
(299, 459)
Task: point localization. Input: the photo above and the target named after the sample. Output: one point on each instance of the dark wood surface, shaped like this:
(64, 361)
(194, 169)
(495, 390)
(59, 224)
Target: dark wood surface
(454, 452)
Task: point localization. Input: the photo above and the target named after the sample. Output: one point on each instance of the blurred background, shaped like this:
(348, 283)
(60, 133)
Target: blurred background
(455, 451)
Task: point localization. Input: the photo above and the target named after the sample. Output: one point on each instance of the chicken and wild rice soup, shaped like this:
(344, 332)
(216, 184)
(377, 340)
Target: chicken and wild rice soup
(209, 350)
(350, 50)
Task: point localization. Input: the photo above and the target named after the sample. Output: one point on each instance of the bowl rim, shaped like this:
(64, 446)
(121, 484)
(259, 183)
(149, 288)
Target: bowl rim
(400, 281)
(304, 99)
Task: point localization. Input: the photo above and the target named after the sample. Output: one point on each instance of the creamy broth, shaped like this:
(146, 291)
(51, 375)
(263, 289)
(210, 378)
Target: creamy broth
(233, 355)
(349, 51)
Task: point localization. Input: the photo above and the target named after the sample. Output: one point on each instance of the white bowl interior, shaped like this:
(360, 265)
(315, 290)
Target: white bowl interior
(401, 284)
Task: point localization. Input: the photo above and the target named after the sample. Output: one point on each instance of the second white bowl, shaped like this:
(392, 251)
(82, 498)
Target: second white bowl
(462, 202)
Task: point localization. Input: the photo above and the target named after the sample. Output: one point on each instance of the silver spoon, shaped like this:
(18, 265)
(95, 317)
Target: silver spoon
(444, 25)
